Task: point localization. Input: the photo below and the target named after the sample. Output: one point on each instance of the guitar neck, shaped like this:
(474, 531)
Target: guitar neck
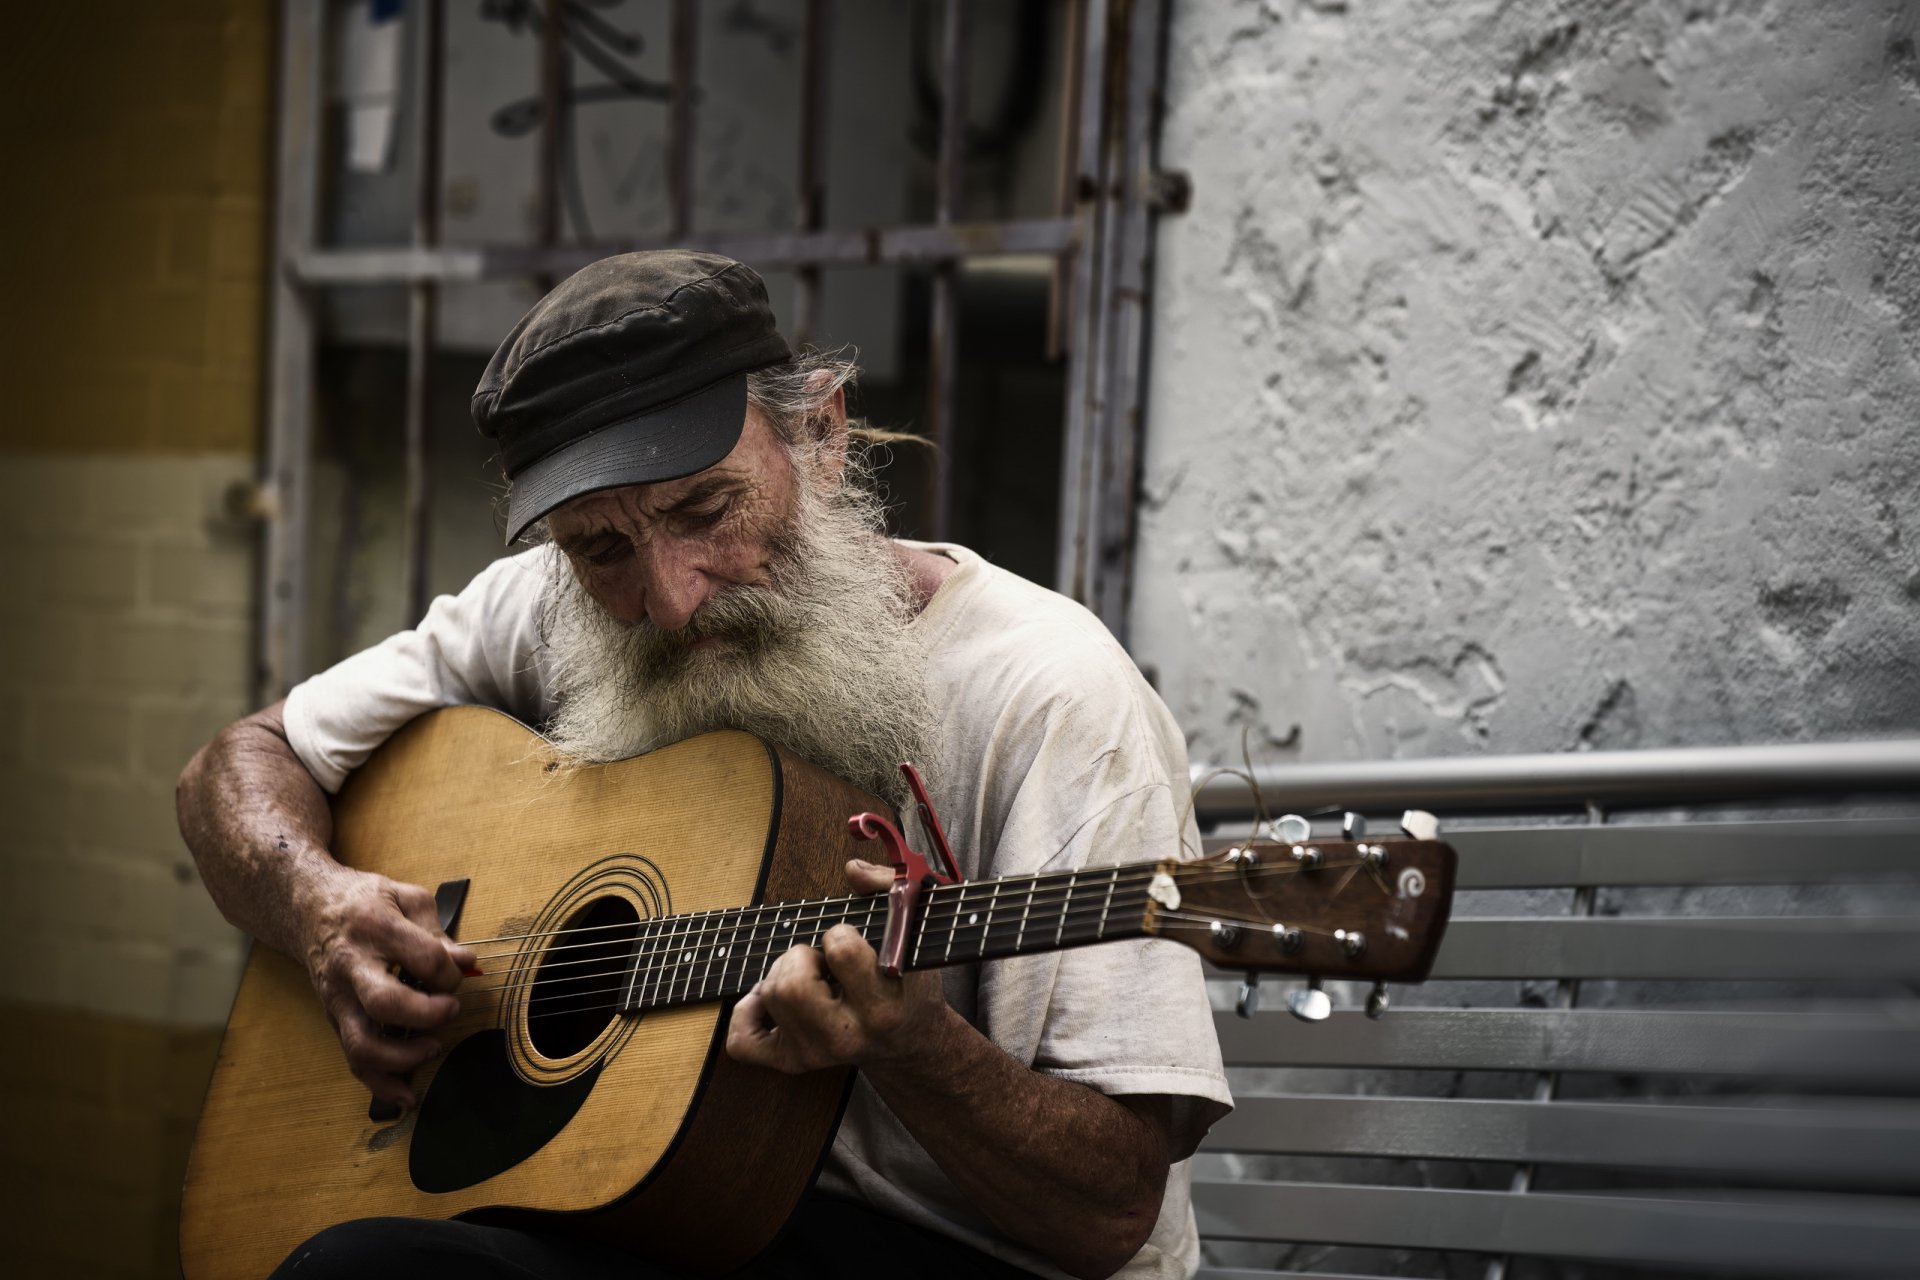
(688, 959)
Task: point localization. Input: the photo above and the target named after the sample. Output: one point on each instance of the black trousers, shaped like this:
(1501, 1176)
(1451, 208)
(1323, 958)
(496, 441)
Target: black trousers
(827, 1237)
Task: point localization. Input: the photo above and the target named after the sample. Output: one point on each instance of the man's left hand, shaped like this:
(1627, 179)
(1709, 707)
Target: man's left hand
(833, 1007)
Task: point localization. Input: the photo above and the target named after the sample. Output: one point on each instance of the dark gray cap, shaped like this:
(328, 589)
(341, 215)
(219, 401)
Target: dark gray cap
(633, 370)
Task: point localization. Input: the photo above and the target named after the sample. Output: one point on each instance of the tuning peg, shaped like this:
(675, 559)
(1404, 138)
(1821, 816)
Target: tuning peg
(1377, 1001)
(1420, 824)
(1353, 826)
(1249, 996)
(1291, 828)
(1310, 1003)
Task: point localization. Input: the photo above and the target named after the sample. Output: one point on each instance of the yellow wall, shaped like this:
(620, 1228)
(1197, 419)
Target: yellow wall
(132, 231)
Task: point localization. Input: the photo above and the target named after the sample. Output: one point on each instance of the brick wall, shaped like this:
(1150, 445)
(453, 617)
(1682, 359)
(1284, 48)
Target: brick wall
(133, 235)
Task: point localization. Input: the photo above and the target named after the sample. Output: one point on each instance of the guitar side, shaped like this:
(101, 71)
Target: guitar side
(675, 1149)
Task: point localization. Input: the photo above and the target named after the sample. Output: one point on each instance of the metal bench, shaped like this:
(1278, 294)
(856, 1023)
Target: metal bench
(1679, 1040)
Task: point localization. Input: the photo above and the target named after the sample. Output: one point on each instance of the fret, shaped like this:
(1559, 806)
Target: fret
(1105, 906)
(1060, 930)
(743, 949)
(629, 996)
(986, 927)
(689, 948)
(716, 954)
(1033, 883)
(934, 899)
(662, 965)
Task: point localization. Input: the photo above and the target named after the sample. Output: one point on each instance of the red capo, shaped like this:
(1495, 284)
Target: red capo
(911, 873)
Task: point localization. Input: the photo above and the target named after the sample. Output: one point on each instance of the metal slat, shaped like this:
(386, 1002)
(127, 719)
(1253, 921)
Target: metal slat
(1682, 775)
(1686, 854)
(1871, 1045)
(1771, 1235)
(1735, 948)
(1876, 1146)
(1697, 854)
(771, 250)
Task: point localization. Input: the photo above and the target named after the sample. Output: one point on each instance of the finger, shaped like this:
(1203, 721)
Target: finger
(868, 877)
(855, 966)
(420, 909)
(422, 953)
(393, 1003)
(753, 1036)
(367, 1050)
(797, 980)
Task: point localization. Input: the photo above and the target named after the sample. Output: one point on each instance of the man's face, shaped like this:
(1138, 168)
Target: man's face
(656, 553)
(759, 594)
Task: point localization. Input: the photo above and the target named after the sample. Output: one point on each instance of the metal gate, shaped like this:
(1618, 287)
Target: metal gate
(1100, 238)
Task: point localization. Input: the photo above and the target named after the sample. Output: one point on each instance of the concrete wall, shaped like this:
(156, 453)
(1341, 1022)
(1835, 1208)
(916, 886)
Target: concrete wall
(1536, 377)
(132, 234)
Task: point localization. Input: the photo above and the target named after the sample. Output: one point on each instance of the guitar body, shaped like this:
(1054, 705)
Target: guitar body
(561, 1116)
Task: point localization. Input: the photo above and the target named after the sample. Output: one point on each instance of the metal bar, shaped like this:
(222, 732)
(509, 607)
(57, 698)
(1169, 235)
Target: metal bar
(1873, 1146)
(1707, 853)
(1731, 948)
(815, 77)
(1869, 1045)
(686, 59)
(1066, 173)
(1083, 329)
(1756, 1234)
(770, 250)
(1690, 775)
(428, 63)
(289, 427)
(944, 323)
(554, 114)
(1126, 328)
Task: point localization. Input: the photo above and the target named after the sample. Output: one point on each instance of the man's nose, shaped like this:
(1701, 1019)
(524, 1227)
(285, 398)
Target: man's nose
(673, 584)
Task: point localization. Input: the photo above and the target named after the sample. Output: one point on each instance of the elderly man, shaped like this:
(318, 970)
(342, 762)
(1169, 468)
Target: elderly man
(709, 555)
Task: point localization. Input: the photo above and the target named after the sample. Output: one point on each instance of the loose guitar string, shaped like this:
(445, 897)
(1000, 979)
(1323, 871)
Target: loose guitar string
(692, 932)
(681, 973)
(1074, 881)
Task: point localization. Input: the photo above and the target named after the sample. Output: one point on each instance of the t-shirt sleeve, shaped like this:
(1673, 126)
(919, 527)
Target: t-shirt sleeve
(1126, 1017)
(481, 646)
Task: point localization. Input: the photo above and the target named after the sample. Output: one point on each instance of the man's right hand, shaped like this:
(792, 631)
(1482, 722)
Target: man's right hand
(360, 933)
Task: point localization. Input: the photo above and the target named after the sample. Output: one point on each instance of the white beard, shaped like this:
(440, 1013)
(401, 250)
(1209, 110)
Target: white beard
(820, 659)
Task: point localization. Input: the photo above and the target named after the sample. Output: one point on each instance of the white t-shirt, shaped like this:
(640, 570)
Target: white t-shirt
(1055, 754)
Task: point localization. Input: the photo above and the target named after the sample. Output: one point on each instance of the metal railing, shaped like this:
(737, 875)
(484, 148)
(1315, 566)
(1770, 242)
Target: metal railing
(1575, 779)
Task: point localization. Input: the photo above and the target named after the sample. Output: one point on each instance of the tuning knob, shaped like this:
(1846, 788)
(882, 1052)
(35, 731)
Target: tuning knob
(1291, 829)
(1353, 826)
(1249, 996)
(1310, 1003)
(1377, 1001)
(1420, 824)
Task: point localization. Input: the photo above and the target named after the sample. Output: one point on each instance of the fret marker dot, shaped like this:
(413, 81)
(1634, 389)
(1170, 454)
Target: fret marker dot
(686, 955)
(974, 918)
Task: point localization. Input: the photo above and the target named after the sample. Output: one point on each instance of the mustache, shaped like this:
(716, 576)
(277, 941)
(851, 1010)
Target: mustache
(751, 616)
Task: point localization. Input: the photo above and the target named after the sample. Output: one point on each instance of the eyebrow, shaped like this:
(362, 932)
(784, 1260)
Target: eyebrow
(711, 487)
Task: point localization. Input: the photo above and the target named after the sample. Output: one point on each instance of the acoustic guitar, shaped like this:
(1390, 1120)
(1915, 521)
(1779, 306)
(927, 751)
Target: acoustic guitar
(618, 909)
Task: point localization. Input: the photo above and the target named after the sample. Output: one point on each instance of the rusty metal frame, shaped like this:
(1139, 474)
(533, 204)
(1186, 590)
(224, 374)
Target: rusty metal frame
(1100, 238)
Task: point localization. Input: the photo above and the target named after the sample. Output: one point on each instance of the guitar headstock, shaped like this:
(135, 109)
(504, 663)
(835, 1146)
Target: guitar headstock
(1353, 907)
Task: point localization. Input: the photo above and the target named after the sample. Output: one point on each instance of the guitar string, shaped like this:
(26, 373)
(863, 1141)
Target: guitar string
(1088, 882)
(1192, 871)
(697, 933)
(569, 1001)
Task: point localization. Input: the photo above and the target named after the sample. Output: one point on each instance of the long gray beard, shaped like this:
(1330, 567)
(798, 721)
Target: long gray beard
(820, 659)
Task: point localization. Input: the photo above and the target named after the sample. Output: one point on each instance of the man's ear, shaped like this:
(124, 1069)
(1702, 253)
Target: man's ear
(828, 428)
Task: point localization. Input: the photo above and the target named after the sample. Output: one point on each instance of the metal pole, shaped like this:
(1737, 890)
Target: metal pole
(813, 161)
(686, 55)
(289, 435)
(422, 297)
(1679, 775)
(1125, 327)
(1083, 330)
(553, 125)
(944, 353)
(1066, 174)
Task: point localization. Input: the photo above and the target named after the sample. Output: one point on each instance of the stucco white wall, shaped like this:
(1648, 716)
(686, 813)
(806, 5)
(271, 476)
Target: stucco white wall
(1536, 376)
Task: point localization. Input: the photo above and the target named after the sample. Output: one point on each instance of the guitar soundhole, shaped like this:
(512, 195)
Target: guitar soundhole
(576, 990)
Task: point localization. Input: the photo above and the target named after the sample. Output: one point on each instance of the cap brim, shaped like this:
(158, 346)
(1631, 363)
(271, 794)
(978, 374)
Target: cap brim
(666, 443)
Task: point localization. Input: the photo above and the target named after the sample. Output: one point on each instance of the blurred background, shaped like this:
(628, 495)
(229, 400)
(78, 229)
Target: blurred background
(1398, 380)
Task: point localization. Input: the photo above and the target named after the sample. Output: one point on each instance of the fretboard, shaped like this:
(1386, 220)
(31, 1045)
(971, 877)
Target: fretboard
(717, 954)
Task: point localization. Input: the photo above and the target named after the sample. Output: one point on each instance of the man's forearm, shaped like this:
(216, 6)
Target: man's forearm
(1067, 1170)
(258, 827)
